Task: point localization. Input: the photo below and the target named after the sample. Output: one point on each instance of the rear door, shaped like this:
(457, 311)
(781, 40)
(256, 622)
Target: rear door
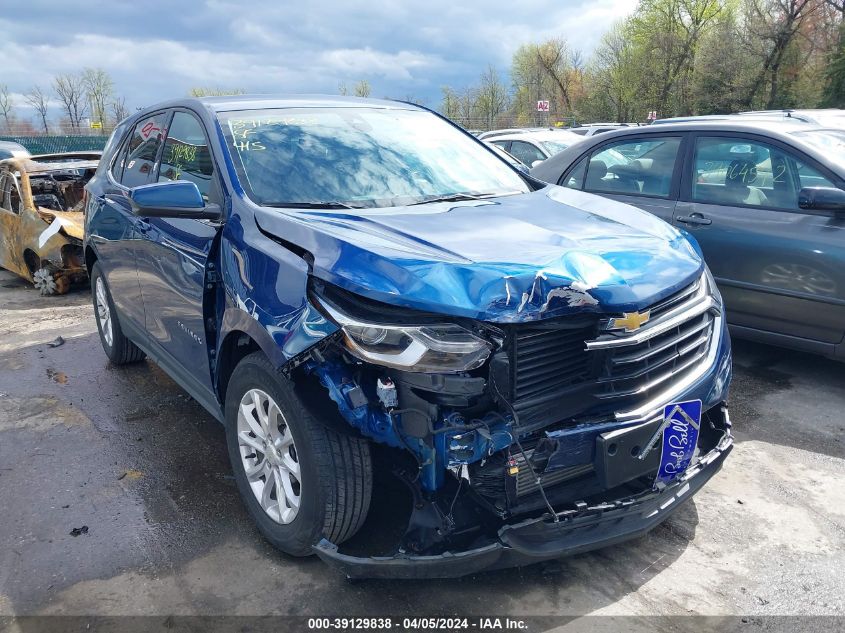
(776, 264)
(115, 229)
(643, 171)
(173, 253)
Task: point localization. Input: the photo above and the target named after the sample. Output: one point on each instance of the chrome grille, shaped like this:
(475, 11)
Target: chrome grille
(636, 370)
(572, 369)
(675, 340)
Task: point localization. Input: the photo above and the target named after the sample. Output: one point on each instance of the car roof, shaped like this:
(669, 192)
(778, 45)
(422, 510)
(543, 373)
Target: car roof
(14, 147)
(536, 135)
(777, 129)
(269, 102)
(518, 130)
(32, 166)
(728, 124)
(811, 117)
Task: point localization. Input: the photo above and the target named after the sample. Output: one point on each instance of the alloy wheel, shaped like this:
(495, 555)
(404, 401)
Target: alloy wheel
(103, 312)
(269, 457)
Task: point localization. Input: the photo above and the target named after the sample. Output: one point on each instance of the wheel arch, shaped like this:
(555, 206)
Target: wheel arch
(32, 261)
(90, 258)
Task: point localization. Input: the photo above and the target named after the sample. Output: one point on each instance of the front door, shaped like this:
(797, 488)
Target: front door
(11, 243)
(775, 263)
(173, 253)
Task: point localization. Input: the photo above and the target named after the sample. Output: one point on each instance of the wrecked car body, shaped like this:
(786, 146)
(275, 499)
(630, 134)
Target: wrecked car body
(41, 223)
(544, 371)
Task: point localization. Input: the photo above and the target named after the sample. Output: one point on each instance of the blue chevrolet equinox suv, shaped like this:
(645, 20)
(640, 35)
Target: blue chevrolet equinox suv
(346, 282)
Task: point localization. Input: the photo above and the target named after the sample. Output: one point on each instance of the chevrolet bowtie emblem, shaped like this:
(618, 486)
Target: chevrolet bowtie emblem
(629, 321)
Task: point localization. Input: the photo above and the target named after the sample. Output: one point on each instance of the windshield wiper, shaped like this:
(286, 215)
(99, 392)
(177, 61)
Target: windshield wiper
(456, 197)
(310, 205)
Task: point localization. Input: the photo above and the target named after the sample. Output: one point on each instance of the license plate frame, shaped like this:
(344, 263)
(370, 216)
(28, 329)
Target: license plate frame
(679, 438)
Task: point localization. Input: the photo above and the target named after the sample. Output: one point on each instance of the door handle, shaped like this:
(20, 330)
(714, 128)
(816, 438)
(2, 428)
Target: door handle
(694, 218)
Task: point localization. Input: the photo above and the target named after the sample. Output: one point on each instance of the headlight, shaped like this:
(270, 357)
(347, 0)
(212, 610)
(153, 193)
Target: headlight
(711, 285)
(435, 348)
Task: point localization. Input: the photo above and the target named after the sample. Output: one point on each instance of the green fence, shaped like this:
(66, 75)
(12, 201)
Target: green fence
(59, 143)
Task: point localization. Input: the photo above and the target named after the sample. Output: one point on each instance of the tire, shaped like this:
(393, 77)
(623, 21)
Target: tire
(326, 476)
(120, 350)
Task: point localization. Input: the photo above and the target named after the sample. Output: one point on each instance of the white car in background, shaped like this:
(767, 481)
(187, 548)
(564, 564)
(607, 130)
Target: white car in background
(591, 129)
(531, 147)
(10, 149)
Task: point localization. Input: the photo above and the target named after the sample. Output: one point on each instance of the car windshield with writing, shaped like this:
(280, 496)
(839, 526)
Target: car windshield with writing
(360, 157)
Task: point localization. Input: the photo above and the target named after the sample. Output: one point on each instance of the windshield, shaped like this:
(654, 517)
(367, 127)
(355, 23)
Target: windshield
(832, 142)
(554, 147)
(359, 157)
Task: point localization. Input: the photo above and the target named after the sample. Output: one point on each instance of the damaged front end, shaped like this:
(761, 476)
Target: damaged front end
(528, 440)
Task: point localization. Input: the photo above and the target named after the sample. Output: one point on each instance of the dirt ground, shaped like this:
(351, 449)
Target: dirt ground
(128, 454)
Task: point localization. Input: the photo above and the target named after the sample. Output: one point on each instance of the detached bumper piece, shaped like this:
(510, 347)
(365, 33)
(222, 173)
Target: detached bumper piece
(584, 528)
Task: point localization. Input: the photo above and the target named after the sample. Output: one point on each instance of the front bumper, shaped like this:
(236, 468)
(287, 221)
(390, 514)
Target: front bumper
(539, 539)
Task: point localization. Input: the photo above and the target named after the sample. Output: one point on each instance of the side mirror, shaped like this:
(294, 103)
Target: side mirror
(535, 163)
(822, 198)
(172, 199)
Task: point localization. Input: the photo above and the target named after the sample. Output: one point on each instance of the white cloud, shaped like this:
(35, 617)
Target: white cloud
(402, 48)
(403, 65)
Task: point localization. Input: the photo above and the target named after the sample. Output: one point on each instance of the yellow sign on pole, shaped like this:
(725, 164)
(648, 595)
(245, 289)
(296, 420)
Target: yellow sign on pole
(95, 125)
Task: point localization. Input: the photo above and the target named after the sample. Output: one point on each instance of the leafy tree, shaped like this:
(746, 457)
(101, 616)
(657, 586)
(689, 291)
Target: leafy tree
(612, 76)
(772, 27)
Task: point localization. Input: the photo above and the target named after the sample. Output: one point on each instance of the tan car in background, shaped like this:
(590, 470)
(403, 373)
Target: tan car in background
(41, 218)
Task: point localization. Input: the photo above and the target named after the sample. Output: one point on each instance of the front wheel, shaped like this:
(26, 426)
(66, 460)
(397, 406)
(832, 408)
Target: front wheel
(299, 479)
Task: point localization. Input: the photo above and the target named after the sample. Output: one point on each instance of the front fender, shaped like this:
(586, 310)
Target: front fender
(266, 294)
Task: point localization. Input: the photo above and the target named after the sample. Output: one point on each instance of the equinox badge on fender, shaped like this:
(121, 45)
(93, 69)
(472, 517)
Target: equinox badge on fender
(629, 321)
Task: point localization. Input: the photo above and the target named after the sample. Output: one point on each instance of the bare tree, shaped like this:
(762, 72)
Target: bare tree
(5, 104)
(70, 89)
(342, 89)
(98, 89)
(362, 88)
(492, 97)
(119, 111)
(38, 99)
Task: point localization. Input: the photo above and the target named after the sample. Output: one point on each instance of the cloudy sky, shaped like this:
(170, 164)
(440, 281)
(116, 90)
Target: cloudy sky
(157, 49)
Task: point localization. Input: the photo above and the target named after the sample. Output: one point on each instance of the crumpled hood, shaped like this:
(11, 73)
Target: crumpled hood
(515, 258)
(72, 223)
